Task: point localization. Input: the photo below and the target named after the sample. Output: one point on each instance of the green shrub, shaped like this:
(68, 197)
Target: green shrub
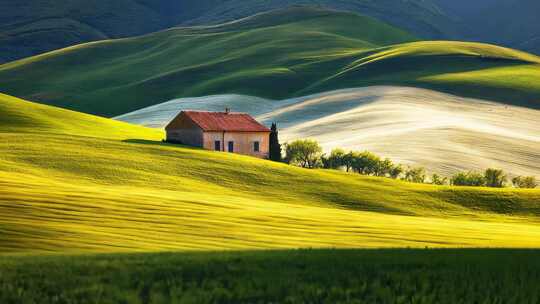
(384, 167)
(366, 163)
(415, 175)
(396, 171)
(438, 180)
(335, 160)
(348, 160)
(495, 178)
(525, 182)
(307, 154)
(470, 178)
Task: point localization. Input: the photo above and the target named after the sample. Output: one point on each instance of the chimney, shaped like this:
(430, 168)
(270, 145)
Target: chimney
(227, 110)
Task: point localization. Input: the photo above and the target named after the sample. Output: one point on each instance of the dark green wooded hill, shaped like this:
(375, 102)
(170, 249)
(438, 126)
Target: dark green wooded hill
(276, 55)
(30, 27)
(513, 23)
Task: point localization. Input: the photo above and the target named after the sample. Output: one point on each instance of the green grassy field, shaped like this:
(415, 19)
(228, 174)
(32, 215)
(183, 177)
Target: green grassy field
(74, 183)
(31, 27)
(275, 55)
(306, 276)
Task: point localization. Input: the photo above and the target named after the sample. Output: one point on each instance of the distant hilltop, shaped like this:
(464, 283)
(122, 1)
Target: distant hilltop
(31, 27)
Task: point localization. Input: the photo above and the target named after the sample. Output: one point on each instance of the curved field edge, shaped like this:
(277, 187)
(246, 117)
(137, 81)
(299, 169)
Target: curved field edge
(62, 192)
(268, 57)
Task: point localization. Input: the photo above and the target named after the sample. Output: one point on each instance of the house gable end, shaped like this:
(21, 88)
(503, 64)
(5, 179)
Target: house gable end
(182, 121)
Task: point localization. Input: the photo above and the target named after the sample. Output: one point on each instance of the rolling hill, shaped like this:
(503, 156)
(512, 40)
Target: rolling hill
(19, 116)
(76, 188)
(505, 22)
(30, 27)
(275, 55)
(447, 135)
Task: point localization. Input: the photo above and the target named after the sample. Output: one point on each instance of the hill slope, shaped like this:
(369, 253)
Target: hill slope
(448, 134)
(114, 77)
(30, 27)
(507, 22)
(61, 192)
(26, 117)
(274, 55)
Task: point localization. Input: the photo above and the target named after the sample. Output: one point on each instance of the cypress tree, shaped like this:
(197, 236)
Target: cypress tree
(275, 147)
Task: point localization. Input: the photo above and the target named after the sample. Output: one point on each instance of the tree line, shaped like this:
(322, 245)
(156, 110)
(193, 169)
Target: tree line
(308, 153)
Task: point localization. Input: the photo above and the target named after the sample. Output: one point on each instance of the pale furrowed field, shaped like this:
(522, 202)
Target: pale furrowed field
(441, 132)
(74, 188)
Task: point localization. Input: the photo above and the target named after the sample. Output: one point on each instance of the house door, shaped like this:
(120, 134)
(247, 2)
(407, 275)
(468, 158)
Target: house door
(231, 146)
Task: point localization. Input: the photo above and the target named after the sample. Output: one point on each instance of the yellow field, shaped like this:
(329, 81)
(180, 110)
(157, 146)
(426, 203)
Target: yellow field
(74, 183)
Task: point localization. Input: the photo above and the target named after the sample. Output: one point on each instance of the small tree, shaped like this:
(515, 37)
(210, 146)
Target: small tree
(396, 171)
(415, 175)
(384, 167)
(495, 178)
(335, 160)
(366, 163)
(275, 147)
(348, 160)
(470, 178)
(438, 180)
(525, 182)
(305, 153)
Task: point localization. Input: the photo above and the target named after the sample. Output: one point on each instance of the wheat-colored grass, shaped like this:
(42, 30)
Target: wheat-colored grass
(68, 193)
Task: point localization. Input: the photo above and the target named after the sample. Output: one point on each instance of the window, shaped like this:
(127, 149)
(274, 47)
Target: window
(217, 145)
(231, 146)
(256, 146)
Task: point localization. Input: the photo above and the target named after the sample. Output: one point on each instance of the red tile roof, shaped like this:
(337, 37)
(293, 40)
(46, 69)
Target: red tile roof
(222, 121)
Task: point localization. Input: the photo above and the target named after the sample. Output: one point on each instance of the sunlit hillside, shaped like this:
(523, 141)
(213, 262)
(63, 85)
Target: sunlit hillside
(75, 188)
(18, 116)
(275, 55)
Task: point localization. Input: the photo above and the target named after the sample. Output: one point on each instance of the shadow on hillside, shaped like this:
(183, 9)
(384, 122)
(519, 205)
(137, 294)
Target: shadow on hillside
(157, 143)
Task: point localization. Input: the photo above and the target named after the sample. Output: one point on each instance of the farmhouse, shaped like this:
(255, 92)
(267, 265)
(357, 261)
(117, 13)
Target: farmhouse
(220, 131)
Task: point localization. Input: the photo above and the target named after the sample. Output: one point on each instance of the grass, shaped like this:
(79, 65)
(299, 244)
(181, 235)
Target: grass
(461, 68)
(20, 116)
(274, 55)
(76, 187)
(33, 27)
(306, 276)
